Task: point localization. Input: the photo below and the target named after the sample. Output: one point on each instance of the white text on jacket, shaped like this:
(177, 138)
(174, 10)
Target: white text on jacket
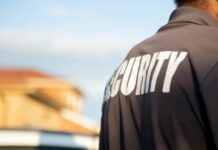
(141, 73)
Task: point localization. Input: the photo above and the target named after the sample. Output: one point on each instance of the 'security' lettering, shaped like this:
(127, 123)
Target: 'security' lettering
(141, 73)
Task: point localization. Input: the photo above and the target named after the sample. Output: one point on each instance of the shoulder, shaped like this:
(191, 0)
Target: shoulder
(199, 41)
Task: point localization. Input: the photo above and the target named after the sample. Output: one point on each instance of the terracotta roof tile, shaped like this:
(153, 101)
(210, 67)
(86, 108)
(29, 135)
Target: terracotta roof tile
(21, 73)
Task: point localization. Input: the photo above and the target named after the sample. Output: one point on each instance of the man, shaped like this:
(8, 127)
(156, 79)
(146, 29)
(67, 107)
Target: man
(164, 95)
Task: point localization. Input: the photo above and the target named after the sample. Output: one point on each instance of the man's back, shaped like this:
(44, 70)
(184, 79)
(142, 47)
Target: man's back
(165, 93)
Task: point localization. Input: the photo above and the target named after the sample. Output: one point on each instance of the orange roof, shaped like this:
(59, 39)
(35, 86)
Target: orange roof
(45, 87)
(32, 79)
(21, 73)
(19, 76)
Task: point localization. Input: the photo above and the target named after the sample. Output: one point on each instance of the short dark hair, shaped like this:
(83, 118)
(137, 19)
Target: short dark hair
(181, 2)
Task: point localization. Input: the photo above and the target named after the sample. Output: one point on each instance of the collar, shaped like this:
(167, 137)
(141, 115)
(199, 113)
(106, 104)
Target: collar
(192, 15)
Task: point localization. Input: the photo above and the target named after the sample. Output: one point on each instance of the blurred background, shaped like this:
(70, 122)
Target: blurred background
(56, 57)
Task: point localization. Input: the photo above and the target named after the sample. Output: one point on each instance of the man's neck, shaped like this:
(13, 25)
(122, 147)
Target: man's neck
(208, 6)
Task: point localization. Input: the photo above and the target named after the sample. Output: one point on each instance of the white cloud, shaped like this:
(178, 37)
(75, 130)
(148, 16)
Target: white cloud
(58, 42)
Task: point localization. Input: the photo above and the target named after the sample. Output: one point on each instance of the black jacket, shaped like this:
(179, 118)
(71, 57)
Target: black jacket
(164, 95)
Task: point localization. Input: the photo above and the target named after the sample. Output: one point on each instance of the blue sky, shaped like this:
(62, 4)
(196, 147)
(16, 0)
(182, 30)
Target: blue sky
(80, 41)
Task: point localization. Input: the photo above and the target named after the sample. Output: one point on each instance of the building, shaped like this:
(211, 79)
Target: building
(34, 101)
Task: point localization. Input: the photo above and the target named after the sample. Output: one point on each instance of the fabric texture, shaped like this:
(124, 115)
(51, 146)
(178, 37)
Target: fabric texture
(164, 95)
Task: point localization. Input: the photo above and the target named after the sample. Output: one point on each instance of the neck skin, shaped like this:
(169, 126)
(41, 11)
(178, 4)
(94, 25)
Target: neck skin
(209, 6)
